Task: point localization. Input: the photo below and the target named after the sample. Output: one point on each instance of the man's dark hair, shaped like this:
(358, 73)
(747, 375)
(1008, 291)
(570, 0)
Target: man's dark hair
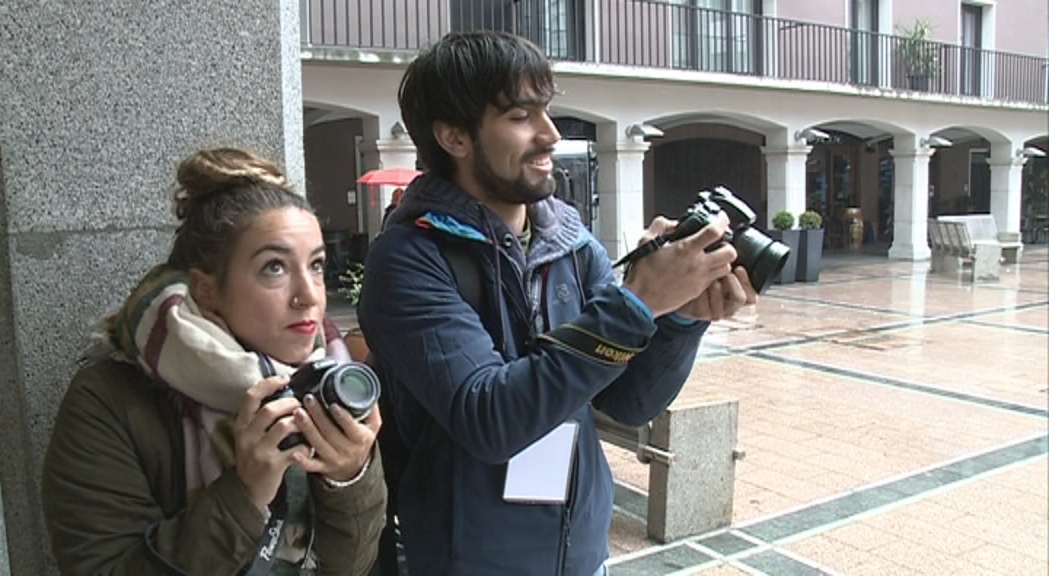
(455, 79)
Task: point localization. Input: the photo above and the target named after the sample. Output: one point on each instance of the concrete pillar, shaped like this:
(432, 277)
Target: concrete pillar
(693, 494)
(620, 191)
(1006, 187)
(5, 565)
(910, 202)
(392, 153)
(97, 111)
(786, 180)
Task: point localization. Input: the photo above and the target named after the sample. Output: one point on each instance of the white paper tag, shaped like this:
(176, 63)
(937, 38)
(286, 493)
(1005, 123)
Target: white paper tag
(540, 473)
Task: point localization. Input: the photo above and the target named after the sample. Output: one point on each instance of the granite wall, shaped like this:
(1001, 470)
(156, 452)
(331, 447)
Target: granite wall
(98, 103)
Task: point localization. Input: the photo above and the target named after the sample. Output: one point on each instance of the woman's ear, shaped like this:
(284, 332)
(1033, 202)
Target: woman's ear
(204, 289)
(455, 141)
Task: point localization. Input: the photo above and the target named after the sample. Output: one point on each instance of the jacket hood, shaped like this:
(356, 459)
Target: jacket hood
(556, 227)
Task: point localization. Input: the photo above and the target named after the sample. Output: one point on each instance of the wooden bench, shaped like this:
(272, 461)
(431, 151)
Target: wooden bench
(955, 250)
(691, 453)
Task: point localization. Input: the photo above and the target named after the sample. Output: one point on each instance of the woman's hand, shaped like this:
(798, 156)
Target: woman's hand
(257, 431)
(341, 444)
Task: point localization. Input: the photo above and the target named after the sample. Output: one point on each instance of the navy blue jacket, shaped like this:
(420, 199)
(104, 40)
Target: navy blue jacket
(469, 391)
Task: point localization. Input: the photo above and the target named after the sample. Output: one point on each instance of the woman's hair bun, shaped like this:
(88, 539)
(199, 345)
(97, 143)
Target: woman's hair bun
(218, 171)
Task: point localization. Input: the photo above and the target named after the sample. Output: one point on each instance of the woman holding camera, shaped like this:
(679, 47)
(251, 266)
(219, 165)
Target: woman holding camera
(164, 457)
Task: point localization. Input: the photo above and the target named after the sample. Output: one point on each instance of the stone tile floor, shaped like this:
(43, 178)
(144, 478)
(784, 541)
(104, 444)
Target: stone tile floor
(894, 422)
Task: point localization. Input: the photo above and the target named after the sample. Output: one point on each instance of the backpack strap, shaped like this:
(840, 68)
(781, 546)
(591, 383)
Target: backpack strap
(462, 260)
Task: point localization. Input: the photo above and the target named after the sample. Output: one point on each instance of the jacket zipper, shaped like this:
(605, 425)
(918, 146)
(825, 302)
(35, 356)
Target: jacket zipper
(566, 518)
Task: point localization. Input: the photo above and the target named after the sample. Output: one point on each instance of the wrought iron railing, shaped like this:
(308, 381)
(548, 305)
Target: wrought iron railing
(667, 34)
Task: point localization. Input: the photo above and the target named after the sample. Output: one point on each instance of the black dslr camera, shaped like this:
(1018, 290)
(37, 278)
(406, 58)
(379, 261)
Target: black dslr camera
(761, 256)
(353, 386)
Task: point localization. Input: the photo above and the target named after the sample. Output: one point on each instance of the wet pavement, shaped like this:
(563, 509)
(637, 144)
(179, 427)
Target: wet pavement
(894, 422)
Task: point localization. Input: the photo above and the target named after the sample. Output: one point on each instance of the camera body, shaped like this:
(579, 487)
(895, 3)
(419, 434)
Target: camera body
(353, 386)
(761, 256)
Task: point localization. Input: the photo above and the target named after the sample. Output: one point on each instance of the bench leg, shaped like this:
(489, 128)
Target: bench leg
(952, 265)
(1011, 254)
(986, 262)
(693, 494)
(937, 261)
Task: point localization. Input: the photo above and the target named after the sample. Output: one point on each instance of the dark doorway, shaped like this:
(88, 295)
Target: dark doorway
(979, 197)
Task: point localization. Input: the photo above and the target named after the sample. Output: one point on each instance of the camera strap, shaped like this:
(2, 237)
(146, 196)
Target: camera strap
(266, 553)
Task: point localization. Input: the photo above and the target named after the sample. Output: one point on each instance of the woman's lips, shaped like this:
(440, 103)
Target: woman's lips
(304, 327)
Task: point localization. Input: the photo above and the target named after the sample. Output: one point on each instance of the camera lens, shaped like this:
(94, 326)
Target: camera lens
(353, 386)
(761, 256)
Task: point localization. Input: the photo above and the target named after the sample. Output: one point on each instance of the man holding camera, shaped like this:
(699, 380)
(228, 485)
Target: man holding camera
(492, 367)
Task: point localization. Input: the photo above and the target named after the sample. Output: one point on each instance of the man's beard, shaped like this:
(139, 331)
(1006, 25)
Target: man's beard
(518, 191)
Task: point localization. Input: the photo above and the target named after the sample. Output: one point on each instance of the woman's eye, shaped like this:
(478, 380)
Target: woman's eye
(317, 266)
(273, 268)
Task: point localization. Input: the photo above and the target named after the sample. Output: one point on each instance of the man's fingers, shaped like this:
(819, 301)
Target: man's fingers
(751, 295)
(710, 234)
(733, 289)
(659, 226)
(717, 300)
(703, 306)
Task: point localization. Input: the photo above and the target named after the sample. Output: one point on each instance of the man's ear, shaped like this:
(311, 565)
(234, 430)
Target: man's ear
(204, 288)
(455, 141)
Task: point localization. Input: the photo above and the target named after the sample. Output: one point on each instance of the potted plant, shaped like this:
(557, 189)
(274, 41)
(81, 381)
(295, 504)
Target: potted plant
(810, 246)
(783, 222)
(918, 54)
(351, 283)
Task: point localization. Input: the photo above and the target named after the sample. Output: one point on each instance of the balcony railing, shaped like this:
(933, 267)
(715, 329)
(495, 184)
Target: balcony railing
(670, 35)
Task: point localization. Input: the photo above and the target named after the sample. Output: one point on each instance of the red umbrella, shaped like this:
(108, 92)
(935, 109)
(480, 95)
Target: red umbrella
(389, 177)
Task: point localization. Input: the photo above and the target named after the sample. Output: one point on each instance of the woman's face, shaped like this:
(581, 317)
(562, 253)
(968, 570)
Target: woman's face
(274, 298)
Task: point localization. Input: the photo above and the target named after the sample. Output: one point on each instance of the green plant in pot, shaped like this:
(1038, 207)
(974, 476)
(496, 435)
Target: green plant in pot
(918, 54)
(351, 282)
(783, 222)
(810, 246)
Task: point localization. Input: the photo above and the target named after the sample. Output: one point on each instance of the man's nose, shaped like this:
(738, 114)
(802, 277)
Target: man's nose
(548, 132)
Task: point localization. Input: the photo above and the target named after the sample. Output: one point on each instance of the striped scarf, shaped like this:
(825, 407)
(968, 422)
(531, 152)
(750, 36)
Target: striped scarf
(161, 329)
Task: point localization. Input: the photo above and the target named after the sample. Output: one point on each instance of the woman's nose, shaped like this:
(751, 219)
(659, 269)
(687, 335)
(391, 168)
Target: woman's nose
(308, 291)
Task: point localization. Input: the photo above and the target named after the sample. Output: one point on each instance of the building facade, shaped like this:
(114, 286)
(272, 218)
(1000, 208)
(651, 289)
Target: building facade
(885, 111)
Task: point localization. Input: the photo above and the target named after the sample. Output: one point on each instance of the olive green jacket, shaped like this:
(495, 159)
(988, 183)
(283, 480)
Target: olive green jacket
(115, 470)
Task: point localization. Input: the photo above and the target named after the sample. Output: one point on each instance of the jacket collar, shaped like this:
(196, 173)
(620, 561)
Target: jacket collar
(435, 202)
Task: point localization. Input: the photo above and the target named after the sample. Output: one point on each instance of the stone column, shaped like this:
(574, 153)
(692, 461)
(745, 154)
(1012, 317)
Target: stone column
(621, 191)
(97, 112)
(392, 153)
(911, 203)
(1006, 186)
(786, 180)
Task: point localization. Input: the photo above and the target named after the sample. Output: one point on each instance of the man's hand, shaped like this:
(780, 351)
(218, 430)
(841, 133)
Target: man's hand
(681, 271)
(723, 298)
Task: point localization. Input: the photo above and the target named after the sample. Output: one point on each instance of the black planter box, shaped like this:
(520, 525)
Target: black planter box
(789, 271)
(810, 255)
